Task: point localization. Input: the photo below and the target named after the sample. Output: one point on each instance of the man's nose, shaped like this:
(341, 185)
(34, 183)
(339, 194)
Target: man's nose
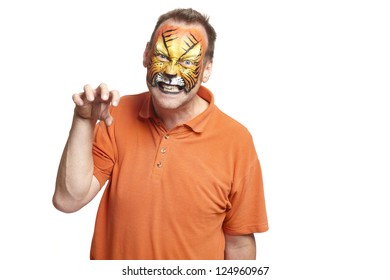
(171, 70)
(169, 76)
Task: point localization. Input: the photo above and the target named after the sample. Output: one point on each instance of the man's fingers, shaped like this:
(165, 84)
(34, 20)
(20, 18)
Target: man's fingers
(103, 92)
(89, 93)
(106, 116)
(95, 103)
(77, 99)
(108, 121)
(114, 94)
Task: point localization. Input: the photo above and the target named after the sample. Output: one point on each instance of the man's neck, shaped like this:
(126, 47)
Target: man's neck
(175, 117)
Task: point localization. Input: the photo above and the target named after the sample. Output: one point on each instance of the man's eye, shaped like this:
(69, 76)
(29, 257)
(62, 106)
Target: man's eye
(186, 63)
(162, 57)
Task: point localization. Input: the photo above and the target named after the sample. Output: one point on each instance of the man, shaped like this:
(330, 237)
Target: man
(184, 180)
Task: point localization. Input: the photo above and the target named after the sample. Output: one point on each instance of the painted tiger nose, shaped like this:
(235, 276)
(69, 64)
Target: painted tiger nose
(169, 76)
(171, 70)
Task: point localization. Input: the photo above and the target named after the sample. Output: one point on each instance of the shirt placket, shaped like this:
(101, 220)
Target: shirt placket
(161, 156)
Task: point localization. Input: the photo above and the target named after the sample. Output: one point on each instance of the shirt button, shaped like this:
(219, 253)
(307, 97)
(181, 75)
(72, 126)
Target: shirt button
(163, 150)
(166, 136)
(159, 164)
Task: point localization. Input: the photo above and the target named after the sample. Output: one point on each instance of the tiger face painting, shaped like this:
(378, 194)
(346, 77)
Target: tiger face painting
(176, 60)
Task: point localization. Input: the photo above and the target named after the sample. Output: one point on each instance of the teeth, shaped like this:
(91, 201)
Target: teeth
(170, 88)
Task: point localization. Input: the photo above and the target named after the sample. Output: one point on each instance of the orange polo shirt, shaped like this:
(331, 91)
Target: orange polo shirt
(173, 194)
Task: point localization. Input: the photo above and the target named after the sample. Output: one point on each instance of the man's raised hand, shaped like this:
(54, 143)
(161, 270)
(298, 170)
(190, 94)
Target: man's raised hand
(94, 104)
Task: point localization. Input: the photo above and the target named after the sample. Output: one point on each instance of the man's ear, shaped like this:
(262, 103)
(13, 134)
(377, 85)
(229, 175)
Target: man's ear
(146, 55)
(207, 71)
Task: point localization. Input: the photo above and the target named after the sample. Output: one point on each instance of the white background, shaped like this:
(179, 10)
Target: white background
(310, 79)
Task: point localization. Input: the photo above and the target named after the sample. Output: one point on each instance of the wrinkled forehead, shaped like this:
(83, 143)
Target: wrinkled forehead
(172, 32)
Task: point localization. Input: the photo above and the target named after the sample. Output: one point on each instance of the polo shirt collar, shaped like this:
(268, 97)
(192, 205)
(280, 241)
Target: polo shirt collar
(197, 124)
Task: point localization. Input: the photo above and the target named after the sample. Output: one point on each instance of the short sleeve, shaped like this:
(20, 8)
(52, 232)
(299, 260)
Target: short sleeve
(103, 153)
(248, 212)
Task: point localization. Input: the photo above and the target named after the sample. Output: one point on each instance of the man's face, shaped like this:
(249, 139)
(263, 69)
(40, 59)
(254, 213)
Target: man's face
(174, 60)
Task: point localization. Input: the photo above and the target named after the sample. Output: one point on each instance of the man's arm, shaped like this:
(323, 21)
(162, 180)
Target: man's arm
(75, 184)
(240, 247)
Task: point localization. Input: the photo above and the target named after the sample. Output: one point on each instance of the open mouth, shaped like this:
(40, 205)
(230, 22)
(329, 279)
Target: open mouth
(170, 89)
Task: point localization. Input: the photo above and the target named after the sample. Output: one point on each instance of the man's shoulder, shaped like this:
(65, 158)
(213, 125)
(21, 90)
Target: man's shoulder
(228, 122)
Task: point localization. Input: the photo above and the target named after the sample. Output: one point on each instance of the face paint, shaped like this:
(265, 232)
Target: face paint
(177, 59)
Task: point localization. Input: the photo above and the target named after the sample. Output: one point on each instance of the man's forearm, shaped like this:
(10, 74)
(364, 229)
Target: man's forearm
(76, 167)
(240, 247)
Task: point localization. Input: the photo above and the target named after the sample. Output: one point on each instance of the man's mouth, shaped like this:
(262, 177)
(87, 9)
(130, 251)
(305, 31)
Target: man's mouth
(170, 89)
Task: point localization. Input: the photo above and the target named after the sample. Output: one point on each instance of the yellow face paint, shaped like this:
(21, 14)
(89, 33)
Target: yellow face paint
(177, 58)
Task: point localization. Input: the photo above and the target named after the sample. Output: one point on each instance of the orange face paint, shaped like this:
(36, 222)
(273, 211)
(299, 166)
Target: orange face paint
(177, 57)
